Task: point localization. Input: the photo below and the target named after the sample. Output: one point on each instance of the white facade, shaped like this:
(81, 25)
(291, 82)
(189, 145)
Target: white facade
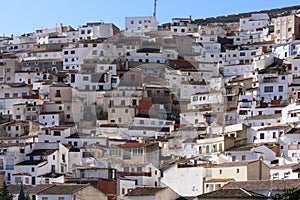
(49, 119)
(96, 30)
(176, 178)
(237, 70)
(139, 25)
(254, 22)
(265, 134)
(200, 100)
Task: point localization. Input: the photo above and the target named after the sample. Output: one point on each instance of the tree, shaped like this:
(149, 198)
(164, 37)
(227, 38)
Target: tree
(4, 193)
(22, 195)
(288, 194)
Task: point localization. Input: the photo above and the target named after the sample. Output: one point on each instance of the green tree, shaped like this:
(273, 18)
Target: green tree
(22, 195)
(288, 194)
(4, 193)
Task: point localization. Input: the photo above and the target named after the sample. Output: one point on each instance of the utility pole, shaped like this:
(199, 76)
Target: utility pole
(154, 12)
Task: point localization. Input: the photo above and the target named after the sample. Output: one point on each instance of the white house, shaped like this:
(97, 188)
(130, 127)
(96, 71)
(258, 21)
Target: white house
(176, 178)
(140, 24)
(95, 30)
(254, 22)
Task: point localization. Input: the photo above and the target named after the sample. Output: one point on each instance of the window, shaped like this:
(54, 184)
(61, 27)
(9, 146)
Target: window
(233, 158)
(18, 179)
(126, 110)
(280, 88)
(57, 93)
(61, 198)
(115, 152)
(220, 172)
(142, 121)
(113, 110)
(237, 171)
(289, 29)
(73, 52)
(138, 151)
(274, 135)
(56, 133)
(262, 136)
(268, 89)
(242, 53)
(282, 77)
(32, 169)
(243, 157)
(6, 95)
(85, 78)
(15, 95)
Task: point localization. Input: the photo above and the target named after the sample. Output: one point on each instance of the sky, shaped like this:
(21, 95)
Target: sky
(25, 16)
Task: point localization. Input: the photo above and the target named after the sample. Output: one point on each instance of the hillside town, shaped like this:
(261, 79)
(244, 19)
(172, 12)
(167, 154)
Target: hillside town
(190, 109)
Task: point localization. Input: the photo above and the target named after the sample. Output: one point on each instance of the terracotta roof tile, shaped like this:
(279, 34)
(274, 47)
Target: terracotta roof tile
(145, 191)
(134, 145)
(264, 185)
(232, 193)
(56, 189)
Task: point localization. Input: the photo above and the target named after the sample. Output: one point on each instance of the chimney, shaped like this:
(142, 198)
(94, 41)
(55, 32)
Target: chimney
(60, 28)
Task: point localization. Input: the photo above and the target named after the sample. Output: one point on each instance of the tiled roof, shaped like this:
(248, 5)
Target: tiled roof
(52, 175)
(22, 174)
(273, 127)
(214, 180)
(232, 193)
(286, 166)
(237, 163)
(264, 185)
(145, 191)
(248, 147)
(134, 145)
(31, 162)
(56, 189)
(190, 140)
(42, 152)
(262, 117)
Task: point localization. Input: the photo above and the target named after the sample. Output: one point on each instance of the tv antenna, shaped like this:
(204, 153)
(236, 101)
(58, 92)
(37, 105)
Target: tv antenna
(154, 12)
